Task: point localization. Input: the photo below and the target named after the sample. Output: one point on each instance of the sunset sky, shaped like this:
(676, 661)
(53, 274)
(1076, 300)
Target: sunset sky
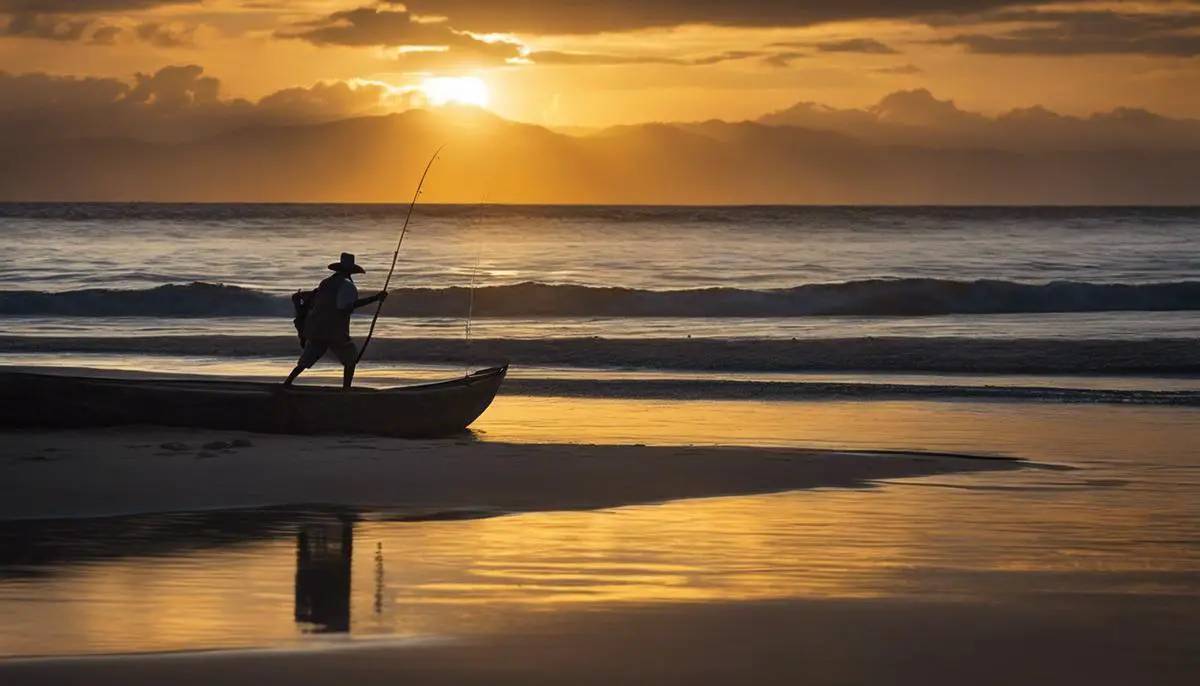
(602, 62)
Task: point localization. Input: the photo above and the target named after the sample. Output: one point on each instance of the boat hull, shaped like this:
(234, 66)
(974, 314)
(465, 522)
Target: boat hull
(438, 409)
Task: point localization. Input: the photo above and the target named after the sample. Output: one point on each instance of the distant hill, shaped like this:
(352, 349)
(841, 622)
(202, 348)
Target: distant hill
(918, 118)
(801, 155)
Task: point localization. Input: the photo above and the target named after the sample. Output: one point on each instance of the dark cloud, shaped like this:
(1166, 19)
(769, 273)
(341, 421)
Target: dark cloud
(176, 102)
(372, 26)
(556, 58)
(166, 35)
(1063, 33)
(455, 49)
(107, 35)
(378, 27)
(46, 26)
(96, 31)
(784, 59)
(901, 70)
(84, 6)
(730, 56)
(324, 102)
(920, 108)
(867, 46)
(594, 16)
(172, 89)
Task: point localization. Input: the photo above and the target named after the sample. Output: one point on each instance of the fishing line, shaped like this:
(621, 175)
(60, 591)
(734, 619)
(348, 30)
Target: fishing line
(471, 300)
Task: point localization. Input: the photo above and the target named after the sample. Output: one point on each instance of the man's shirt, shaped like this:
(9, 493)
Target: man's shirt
(347, 295)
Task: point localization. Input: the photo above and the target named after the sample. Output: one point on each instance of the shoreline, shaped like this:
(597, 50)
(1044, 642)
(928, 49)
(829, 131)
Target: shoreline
(890, 354)
(124, 471)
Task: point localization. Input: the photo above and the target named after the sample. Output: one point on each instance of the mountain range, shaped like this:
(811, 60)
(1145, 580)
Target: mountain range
(909, 149)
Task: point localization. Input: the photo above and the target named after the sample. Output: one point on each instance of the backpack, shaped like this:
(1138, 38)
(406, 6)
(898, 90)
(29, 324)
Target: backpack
(302, 302)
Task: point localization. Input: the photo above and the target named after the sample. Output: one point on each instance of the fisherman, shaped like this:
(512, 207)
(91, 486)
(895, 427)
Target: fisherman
(323, 319)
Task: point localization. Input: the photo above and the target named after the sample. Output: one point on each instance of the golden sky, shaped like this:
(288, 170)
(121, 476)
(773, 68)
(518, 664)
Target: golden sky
(603, 62)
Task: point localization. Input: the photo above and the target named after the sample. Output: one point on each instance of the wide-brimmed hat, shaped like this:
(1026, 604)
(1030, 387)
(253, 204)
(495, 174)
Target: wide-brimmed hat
(347, 265)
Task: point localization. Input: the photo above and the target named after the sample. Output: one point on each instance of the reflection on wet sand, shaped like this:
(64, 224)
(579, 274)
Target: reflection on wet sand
(42, 547)
(324, 559)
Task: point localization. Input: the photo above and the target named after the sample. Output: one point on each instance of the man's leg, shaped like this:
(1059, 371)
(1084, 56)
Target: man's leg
(293, 375)
(347, 354)
(313, 351)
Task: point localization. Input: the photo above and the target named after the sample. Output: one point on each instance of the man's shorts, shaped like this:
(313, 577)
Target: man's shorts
(346, 352)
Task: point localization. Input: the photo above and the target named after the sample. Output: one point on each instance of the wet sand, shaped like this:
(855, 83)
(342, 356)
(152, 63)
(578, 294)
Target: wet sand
(1066, 632)
(1050, 640)
(91, 473)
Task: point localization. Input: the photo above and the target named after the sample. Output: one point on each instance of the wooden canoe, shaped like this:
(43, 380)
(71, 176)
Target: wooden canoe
(31, 400)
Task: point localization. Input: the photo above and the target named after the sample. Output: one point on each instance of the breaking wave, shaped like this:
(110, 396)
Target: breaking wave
(874, 297)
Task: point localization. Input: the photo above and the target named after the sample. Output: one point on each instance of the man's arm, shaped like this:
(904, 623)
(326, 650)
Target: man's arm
(381, 295)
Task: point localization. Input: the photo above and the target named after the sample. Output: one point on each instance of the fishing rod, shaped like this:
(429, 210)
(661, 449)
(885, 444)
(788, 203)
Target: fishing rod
(396, 255)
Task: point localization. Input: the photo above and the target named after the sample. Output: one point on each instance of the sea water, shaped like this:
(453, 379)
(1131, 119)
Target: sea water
(586, 283)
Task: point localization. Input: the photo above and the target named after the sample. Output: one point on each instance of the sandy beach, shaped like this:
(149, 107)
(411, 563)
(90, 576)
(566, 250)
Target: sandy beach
(129, 470)
(834, 587)
(993, 629)
(846, 642)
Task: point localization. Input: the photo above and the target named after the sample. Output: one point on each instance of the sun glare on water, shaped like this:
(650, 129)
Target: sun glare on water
(466, 90)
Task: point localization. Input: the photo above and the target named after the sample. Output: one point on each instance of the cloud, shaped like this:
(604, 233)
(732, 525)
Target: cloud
(1060, 33)
(174, 88)
(66, 28)
(920, 108)
(166, 35)
(107, 35)
(596, 16)
(46, 26)
(329, 101)
(556, 58)
(866, 46)
(729, 56)
(465, 58)
(901, 70)
(84, 6)
(173, 103)
(784, 59)
(433, 44)
(372, 26)
(397, 28)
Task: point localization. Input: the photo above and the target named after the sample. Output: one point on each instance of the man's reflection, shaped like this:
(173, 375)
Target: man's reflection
(323, 555)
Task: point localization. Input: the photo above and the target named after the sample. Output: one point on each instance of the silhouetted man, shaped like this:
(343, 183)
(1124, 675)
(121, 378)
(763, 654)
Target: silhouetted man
(326, 319)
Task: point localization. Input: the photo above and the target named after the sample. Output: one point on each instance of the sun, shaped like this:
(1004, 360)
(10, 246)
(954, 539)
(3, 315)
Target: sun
(463, 90)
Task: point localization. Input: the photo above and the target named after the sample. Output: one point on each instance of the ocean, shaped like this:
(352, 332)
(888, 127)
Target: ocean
(646, 299)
